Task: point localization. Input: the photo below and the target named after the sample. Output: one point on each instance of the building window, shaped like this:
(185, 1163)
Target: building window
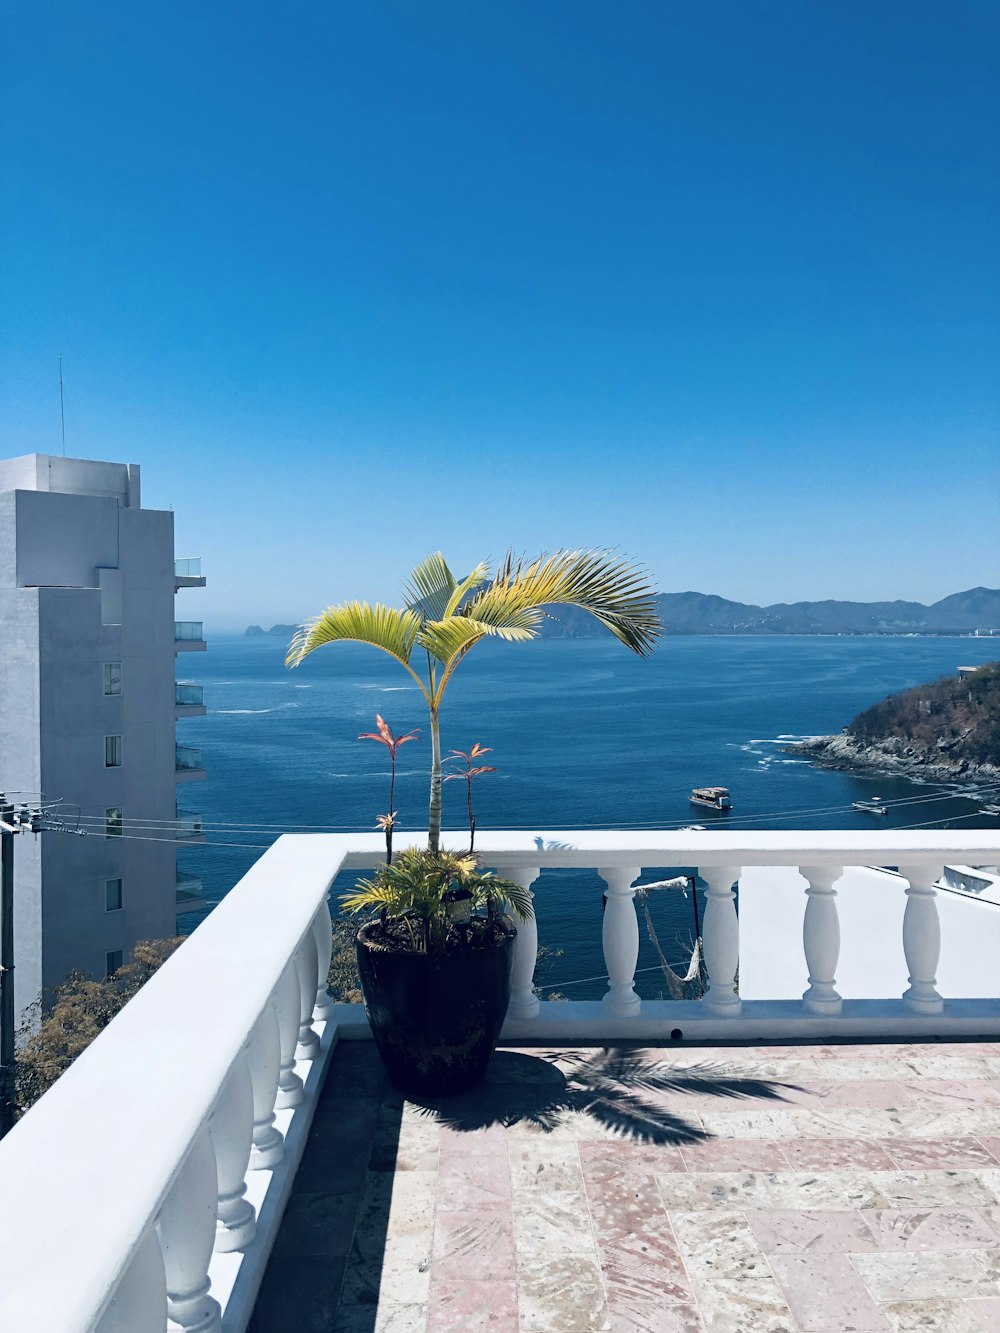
(112, 752)
(113, 821)
(112, 677)
(112, 895)
(114, 961)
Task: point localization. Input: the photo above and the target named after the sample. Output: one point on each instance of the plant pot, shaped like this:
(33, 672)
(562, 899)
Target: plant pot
(435, 1018)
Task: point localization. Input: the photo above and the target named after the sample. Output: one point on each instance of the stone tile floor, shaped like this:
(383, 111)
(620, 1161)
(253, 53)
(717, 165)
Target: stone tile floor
(720, 1188)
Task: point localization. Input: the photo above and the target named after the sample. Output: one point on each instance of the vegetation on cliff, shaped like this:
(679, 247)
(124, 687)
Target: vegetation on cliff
(952, 718)
(945, 730)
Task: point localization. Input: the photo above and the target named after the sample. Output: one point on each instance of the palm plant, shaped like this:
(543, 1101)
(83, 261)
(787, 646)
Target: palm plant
(444, 618)
(416, 887)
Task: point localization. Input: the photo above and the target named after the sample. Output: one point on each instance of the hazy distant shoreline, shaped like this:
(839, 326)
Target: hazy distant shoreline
(971, 614)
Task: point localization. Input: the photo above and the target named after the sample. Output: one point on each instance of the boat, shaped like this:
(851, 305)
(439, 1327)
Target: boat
(872, 807)
(991, 810)
(716, 798)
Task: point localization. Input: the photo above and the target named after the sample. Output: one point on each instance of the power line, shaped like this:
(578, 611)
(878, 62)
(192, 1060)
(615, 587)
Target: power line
(221, 826)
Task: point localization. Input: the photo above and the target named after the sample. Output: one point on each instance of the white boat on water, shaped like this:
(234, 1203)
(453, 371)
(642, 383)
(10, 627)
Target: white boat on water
(990, 809)
(716, 798)
(872, 807)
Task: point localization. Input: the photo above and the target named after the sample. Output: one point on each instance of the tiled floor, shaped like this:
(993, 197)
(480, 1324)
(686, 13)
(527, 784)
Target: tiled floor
(722, 1188)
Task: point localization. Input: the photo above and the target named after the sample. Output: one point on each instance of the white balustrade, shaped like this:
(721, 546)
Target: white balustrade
(163, 1196)
(288, 1004)
(523, 1000)
(821, 938)
(231, 1130)
(140, 1299)
(721, 941)
(921, 938)
(264, 1064)
(307, 967)
(620, 941)
(323, 930)
(186, 1227)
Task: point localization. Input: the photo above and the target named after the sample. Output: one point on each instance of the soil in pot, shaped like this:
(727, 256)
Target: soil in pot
(436, 1017)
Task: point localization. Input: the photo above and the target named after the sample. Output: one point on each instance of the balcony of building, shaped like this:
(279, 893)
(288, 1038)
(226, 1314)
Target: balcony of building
(189, 699)
(190, 893)
(755, 1159)
(187, 573)
(189, 827)
(188, 764)
(189, 636)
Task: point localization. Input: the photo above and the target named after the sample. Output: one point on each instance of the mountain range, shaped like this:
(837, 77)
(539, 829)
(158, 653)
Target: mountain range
(702, 613)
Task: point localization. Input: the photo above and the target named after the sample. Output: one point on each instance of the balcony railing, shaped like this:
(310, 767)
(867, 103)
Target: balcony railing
(188, 568)
(187, 758)
(187, 694)
(189, 825)
(189, 631)
(234, 1031)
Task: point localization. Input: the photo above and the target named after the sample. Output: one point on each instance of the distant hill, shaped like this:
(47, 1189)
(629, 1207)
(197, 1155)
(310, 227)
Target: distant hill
(702, 613)
(278, 631)
(949, 729)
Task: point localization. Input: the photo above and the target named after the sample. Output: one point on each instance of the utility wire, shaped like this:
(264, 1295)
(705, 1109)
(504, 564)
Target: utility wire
(984, 791)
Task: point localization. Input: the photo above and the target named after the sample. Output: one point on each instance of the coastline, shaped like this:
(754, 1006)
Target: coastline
(890, 757)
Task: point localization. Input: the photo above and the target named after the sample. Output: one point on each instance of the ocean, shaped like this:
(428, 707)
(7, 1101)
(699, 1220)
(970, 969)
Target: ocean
(583, 735)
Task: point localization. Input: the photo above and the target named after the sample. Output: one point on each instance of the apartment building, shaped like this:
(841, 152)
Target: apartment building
(90, 699)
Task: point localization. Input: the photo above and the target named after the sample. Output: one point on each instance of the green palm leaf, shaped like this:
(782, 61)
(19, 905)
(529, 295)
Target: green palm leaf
(394, 632)
(444, 638)
(608, 586)
(429, 588)
(471, 583)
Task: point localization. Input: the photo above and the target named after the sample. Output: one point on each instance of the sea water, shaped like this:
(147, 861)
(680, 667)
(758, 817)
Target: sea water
(583, 734)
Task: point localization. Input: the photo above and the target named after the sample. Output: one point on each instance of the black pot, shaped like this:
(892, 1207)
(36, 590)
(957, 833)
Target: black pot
(435, 1017)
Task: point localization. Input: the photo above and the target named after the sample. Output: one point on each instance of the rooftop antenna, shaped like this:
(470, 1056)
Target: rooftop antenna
(62, 407)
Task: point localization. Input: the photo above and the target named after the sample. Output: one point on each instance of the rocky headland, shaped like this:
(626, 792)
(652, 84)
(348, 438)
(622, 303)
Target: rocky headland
(946, 731)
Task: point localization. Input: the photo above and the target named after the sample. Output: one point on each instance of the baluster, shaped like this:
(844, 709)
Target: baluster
(231, 1129)
(721, 941)
(288, 1004)
(264, 1062)
(140, 1299)
(307, 967)
(620, 937)
(921, 939)
(186, 1228)
(523, 1000)
(821, 938)
(323, 929)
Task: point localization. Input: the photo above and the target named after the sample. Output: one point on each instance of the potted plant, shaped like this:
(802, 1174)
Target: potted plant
(436, 983)
(442, 620)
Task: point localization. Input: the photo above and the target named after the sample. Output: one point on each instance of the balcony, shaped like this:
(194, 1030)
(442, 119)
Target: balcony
(187, 573)
(190, 893)
(189, 827)
(189, 636)
(189, 699)
(591, 1182)
(188, 764)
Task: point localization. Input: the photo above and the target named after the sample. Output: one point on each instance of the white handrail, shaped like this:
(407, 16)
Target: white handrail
(89, 1167)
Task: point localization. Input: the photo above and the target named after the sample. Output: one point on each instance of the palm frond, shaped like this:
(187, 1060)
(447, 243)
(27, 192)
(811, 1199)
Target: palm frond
(394, 632)
(471, 583)
(519, 898)
(608, 586)
(430, 587)
(443, 639)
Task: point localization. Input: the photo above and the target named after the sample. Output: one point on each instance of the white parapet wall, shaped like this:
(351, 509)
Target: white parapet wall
(148, 1184)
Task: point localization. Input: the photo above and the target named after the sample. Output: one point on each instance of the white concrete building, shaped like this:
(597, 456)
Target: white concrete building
(88, 645)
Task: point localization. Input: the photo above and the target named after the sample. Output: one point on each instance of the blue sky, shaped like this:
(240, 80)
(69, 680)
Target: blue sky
(717, 284)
